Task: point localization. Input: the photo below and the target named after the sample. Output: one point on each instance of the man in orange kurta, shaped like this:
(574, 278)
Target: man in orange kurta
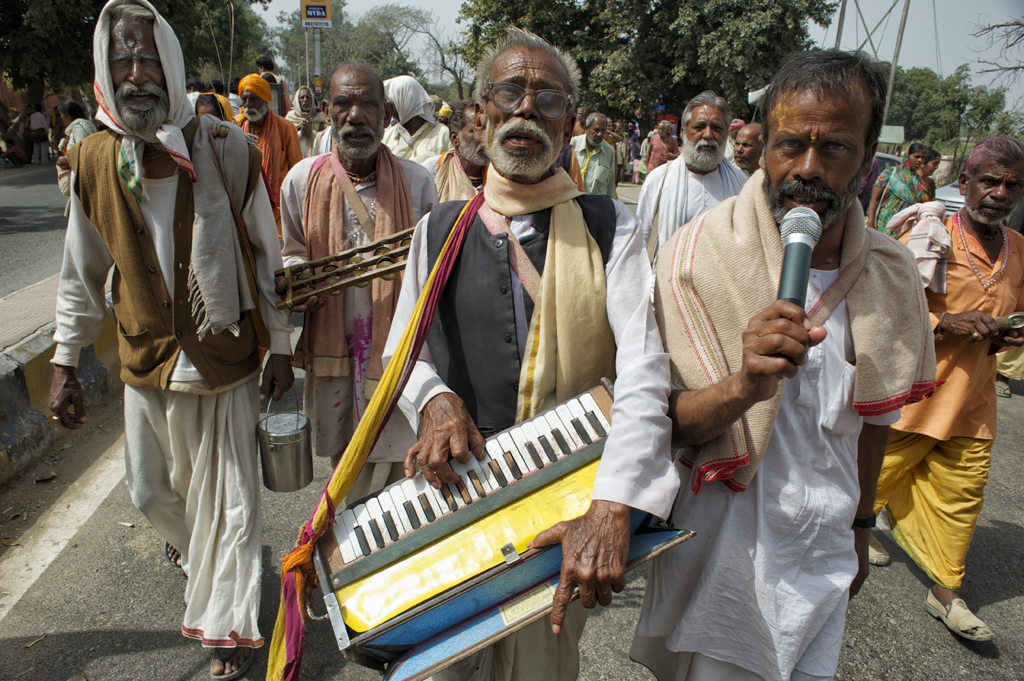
(279, 140)
(939, 452)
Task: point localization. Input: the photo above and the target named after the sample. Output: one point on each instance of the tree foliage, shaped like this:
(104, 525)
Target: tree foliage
(381, 37)
(950, 113)
(47, 44)
(634, 53)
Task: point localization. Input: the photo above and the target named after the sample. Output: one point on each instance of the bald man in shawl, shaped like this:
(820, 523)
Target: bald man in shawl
(278, 139)
(541, 249)
(307, 119)
(458, 173)
(782, 413)
(148, 199)
(359, 192)
(417, 136)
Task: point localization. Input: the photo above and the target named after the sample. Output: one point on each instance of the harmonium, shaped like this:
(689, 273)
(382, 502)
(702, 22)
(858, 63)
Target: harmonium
(416, 578)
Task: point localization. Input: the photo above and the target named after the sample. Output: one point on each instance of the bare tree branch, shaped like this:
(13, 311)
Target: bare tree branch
(1009, 37)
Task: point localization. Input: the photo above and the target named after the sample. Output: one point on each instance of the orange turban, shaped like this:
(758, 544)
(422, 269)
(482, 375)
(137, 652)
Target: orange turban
(255, 85)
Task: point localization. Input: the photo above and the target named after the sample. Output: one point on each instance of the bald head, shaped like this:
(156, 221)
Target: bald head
(749, 145)
(356, 71)
(359, 111)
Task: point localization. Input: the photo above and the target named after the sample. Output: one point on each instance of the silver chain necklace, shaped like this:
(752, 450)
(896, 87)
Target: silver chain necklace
(1004, 254)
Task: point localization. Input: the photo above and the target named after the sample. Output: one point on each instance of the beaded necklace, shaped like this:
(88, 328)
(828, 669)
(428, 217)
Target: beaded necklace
(1004, 255)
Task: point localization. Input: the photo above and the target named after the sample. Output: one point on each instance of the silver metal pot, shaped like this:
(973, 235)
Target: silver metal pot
(285, 450)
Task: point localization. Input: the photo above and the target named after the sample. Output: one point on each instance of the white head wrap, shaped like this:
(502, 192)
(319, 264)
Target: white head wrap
(180, 110)
(409, 98)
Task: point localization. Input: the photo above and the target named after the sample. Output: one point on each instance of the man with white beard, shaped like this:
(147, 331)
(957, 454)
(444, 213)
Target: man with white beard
(278, 139)
(675, 193)
(343, 336)
(538, 248)
(148, 199)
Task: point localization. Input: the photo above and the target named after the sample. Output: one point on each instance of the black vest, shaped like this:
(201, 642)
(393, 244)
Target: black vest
(473, 336)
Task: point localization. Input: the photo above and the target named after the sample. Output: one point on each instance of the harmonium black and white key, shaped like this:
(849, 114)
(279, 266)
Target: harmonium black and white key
(412, 563)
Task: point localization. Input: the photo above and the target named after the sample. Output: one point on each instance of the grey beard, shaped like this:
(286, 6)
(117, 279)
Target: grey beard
(979, 219)
(837, 206)
(255, 116)
(357, 151)
(698, 157)
(144, 119)
(472, 151)
(519, 163)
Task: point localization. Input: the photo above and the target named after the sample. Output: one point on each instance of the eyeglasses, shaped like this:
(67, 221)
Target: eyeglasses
(508, 96)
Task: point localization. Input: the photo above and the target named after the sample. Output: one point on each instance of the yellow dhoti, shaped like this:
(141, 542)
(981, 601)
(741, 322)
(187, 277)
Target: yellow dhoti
(1010, 363)
(933, 491)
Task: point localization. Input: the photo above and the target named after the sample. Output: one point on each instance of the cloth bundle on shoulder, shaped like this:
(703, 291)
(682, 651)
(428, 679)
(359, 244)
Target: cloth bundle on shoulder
(929, 241)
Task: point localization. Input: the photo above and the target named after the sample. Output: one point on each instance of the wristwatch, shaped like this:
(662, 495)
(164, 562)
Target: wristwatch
(864, 523)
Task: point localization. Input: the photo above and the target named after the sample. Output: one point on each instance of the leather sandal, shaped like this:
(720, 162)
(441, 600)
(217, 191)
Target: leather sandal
(877, 555)
(225, 654)
(958, 617)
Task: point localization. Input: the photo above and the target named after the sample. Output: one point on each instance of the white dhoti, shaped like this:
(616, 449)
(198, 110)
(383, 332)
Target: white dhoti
(667, 665)
(192, 471)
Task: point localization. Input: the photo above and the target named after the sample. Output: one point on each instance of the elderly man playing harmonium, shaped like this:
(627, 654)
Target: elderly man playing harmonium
(550, 293)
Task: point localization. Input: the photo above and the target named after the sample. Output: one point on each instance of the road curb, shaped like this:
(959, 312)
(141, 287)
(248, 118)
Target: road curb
(26, 431)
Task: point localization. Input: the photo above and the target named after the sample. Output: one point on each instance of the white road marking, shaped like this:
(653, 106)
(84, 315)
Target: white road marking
(24, 564)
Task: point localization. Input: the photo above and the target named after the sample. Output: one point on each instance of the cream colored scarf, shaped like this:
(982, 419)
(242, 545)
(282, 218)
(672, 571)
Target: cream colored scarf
(570, 313)
(452, 182)
(721, 269)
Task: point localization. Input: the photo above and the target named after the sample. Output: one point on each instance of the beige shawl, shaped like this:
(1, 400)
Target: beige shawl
(452, 182)
(722, 269)
(323, 347)
(570, 345)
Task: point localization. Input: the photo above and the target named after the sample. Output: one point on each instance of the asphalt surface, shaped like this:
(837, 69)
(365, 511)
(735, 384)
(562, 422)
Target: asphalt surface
(109, 607)
(32, 226)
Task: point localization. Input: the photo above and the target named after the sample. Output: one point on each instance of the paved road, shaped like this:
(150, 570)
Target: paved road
(32, 226)
(110, 607)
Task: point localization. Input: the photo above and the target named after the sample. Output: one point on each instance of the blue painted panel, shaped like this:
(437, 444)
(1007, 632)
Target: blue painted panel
(519, 578)
(489, 623)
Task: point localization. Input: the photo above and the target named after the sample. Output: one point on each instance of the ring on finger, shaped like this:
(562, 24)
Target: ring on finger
(975, 335)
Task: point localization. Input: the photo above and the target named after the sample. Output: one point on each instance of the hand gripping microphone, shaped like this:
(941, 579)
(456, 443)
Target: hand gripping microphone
(800, 229)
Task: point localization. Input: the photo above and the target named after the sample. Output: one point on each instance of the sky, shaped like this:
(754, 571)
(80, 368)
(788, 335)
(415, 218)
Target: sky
(953, 20)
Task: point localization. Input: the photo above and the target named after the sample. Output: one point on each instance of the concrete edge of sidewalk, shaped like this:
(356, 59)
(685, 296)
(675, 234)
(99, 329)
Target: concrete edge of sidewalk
(26, 429)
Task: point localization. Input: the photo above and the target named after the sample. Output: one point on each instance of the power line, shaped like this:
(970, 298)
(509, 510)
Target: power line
(935, 23)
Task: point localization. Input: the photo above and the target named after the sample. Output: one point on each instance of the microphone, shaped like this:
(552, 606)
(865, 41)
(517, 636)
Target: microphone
(800, 230)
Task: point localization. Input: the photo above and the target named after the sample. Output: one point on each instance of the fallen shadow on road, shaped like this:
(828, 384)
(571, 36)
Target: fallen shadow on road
(62, 655)
(29, 220)
(991, 575)
(29, 176)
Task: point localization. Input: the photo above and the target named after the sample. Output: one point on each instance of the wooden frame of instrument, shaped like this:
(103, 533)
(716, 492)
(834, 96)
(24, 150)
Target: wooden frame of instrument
(296, 292)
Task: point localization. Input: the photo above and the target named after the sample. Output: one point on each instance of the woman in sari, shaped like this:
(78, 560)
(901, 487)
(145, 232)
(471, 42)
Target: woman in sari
(896, 188)
(932, 159)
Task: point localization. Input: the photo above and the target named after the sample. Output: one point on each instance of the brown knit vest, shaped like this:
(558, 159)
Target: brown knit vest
(152, 327)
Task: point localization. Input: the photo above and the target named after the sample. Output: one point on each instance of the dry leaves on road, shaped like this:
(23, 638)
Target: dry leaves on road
(10, 541)
(32, 643)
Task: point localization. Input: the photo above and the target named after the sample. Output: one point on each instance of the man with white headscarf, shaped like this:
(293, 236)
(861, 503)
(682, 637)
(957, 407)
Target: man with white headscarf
(675, 193)
(417, 136)
(307, 119)
(148, 199)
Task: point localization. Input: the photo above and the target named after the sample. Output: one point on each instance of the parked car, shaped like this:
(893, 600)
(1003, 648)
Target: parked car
(887, 161)
(952, 199)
